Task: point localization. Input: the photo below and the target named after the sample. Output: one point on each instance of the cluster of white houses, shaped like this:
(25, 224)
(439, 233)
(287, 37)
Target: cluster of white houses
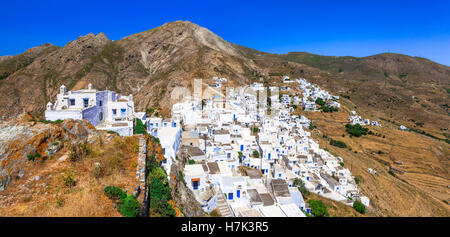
(246, 160)
(356, 119)
(311, 92)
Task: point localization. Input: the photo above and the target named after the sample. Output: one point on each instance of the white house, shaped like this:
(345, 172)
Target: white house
(195, 177)
(105, 110)
(170, 139)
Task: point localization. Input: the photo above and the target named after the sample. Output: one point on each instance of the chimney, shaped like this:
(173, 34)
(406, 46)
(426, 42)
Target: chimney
(90, 86)
(62, 89)
(49, 105)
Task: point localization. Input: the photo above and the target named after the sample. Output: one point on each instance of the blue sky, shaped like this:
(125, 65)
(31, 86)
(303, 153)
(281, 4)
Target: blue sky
(345, 27)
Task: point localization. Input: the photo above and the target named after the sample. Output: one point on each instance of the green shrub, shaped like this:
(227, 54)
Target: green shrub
(129, 207)
(114, 192)
(337, 143)
(112, 132)
(155, 140)
(49, 121)
(191, 162)
(356, 130)
(359, 207)
(160, 194)
(32, 157)
(158, 173)
(140, 128)
(391, 173)
(318, 209)
(328, 109)
(301, 186)
(320, 101)
(357, 180)
(255, 154)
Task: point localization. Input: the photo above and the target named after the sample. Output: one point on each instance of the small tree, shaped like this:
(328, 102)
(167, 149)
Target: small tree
(359, 207)
(114, 192)
(139, 128)
(129, 207)
(318, 209)
(301, 186)
(320, 101)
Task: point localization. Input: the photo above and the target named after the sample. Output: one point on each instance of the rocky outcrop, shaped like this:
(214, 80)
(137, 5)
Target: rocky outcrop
(183, 197)
(25, 142)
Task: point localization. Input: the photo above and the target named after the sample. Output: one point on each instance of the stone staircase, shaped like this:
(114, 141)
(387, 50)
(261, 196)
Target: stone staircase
(222, 206)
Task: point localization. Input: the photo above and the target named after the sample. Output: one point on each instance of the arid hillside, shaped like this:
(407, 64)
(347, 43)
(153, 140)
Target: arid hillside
(420, 188)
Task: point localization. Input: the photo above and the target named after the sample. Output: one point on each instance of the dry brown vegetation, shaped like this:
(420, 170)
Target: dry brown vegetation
(420, 191)
(52, 195)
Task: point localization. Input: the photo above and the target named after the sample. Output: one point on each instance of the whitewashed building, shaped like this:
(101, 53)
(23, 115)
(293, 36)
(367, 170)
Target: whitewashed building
(106, 110)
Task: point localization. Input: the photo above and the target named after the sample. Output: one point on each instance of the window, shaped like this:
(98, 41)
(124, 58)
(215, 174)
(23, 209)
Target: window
(100, 103)
(114, 111)
(85, 102)
(279, 175)
(123, 112)
(195, 184)
(72, 101)
(164, 151)
(230, 196)
(100, 117)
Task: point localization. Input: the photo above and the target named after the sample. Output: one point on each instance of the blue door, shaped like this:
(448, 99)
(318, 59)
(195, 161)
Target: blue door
(238, 193)
(230, 196)
(242, 147)
(195, 185)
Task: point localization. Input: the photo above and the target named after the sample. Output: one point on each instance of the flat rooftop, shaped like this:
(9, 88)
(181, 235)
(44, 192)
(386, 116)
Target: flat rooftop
(280, 188)
(267, 199)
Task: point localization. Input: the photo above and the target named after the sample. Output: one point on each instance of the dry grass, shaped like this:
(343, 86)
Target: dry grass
(30, 198)
(420, 191)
